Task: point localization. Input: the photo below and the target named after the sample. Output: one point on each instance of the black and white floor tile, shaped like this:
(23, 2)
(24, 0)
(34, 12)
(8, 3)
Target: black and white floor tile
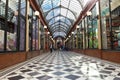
(64, 65)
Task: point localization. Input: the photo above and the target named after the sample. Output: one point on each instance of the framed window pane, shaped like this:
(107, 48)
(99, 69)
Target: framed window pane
(22, 25)
(12, 25)
(2, 23)
(104, 5)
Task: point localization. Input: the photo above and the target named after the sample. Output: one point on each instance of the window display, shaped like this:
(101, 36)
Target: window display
(22, 25)
(104, 5)
(93, 28)
(116, 26)
(11, 41)
(22, 34)
(12, 25)
(2, 21)
(2, 7)
(80, 37)
(34, 35)
(110, 24)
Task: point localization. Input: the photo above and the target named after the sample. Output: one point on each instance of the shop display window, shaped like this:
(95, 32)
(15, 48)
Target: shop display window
(93, 28)
(2, 23)
(22, 25)
(110, 22)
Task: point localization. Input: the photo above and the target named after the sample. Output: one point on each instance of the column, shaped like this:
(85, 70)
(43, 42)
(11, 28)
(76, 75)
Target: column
(39, 25)
(27, 25)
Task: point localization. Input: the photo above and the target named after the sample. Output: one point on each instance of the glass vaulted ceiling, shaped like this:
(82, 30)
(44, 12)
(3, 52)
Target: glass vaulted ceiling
(61, 14)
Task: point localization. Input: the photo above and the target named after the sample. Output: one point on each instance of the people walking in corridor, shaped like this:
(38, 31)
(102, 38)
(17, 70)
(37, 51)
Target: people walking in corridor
(51, 48)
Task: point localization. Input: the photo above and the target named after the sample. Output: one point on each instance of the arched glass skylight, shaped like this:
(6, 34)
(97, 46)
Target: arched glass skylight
(62, 13)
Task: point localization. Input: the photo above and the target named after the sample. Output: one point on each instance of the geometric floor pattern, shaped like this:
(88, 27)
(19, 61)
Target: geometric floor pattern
(65, 65)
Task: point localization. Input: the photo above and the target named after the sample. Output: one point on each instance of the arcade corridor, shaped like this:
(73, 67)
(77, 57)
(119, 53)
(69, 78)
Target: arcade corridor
(63, 65)
(83, 34)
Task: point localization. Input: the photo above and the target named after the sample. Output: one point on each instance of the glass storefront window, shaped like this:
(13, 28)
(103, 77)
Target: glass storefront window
(30, 28)
(37, 32)
(2, 23)
(110, 24)
(86, 32)
(93, 29)
(2, 8)
(12, 25)
(42, 37)
(104, 5)
(115, 16)
(34, 34)
(80, 37)
(22, 24)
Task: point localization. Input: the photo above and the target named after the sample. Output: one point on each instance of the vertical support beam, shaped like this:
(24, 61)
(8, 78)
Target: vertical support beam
(77, 38)
(27, 26)
(83, 35)
(47, 41)
(99, 35)
(110, 23)
(18, 27)
(99, 27)
(39, 25)
(72, 41)
(35, 32)
(44, 38)
(5, 28)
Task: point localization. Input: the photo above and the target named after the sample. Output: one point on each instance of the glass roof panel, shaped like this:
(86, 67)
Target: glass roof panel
(59, 23)
(60, 18)
(71, 16)
(55, 34)
(66, 27)
(56, 11)
(56, 3)
(62, 13)
(75, 7)
(47, 5)
(50, 14)
(65, 3)
(63, 27)
(59, 29)
(85, 2)
(51, 22)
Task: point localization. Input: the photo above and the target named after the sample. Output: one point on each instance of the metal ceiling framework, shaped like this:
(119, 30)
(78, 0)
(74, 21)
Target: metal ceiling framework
(60, 15)
(60, 22)
(55, 26)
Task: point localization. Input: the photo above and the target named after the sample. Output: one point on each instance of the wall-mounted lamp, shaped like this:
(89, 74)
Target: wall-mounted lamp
(37, 13)
(77, 27)
(48, 32)
(45, 26)
(89, 13)
(72, 32)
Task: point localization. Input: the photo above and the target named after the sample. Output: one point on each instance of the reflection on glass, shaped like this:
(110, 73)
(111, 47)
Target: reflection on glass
(2, 23)
(2, 7)
(22, 24)
(12, 26)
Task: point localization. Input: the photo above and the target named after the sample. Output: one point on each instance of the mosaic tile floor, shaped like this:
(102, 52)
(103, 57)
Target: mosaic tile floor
(65, 66)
